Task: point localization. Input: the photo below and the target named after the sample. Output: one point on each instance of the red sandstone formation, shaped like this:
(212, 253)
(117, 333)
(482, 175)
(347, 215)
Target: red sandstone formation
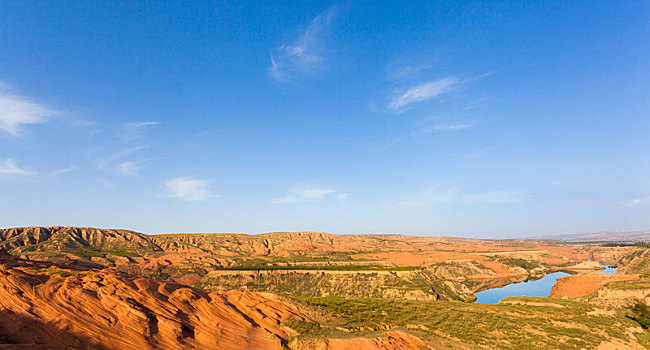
(582, 285)
(61, 306)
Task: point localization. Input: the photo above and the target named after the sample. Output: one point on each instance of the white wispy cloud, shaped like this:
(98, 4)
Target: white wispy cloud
(406, 204)
(82, 123)
(560, 183)
(300, 193)
(17, 111)
(423, 92)
(472, 105)
(393, 141)
(495, 197)
(477, 154)
(437, 194)
(138, 125)
(188, 189)
(107, 183)
(636, 202)
(633, 202)
(115, 161)
(122, 161)
(9, 167)
(449, 127)
(133, 130)
(306, 54)
(455, 194)
(131, 167)
(63, 170)
(408, 71)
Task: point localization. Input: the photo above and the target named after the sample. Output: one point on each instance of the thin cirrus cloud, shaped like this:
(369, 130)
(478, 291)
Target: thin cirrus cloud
(138, 125)
(423, 92)
(63, 171)
(307, 53)
(9, 167)
(456, 195)
(636, 202)
(133, 130)
(342, 197)
(119, 161)
(17, 111)
(299, 193)
(449, 127)
(432, 195)
(439, 195)
(130, 167)
(125, 167)
(188, 189)
(409, 71)
(495, 197)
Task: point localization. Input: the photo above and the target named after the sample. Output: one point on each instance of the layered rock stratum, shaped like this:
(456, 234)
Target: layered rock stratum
(64, 306)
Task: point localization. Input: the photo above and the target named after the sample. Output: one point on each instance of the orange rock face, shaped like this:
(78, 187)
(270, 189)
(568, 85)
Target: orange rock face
(388, 341)
(577, 286)
(55, 305)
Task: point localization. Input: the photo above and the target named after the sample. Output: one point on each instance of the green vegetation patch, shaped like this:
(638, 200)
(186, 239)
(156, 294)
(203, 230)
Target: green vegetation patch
(525, 264)
(629, 285)
(60, 272)
(121, 252)
(645, 245)
(84, 253)
(304, 327)
(560, 324)
(641, 314)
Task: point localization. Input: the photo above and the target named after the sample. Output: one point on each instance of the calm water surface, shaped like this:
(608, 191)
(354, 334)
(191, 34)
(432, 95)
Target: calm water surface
(608, 269)
(540, 288)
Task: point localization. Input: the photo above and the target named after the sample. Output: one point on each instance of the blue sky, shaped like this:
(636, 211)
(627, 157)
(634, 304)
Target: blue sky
(481, 119)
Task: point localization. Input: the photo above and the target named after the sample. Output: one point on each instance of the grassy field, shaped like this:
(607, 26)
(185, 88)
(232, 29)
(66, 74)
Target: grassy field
(628, 285)
(541, 324)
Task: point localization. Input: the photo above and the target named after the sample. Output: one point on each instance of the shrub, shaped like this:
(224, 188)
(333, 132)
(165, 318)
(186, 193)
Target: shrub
(641, 314)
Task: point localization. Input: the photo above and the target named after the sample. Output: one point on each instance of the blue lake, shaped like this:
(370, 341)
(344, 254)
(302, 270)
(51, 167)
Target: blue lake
(540, 288)
(608, 269)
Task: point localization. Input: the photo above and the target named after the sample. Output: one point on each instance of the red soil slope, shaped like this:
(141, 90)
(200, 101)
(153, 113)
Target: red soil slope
(577, 286)
(60, 306)
(388, 341)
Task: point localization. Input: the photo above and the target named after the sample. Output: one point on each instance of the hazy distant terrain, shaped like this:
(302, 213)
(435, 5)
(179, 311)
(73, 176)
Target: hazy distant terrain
(635, 236)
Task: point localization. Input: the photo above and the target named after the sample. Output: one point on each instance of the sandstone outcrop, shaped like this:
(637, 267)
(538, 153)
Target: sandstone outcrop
(64, 306)
(582, 285)
(388, 341)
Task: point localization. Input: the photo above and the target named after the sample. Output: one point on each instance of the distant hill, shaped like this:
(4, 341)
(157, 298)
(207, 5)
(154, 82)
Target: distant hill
(635, 236)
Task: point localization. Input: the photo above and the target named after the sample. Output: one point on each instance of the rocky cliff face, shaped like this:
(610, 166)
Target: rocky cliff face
(408, 285)
(638, 262)
(278, 243)
(60, 239)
